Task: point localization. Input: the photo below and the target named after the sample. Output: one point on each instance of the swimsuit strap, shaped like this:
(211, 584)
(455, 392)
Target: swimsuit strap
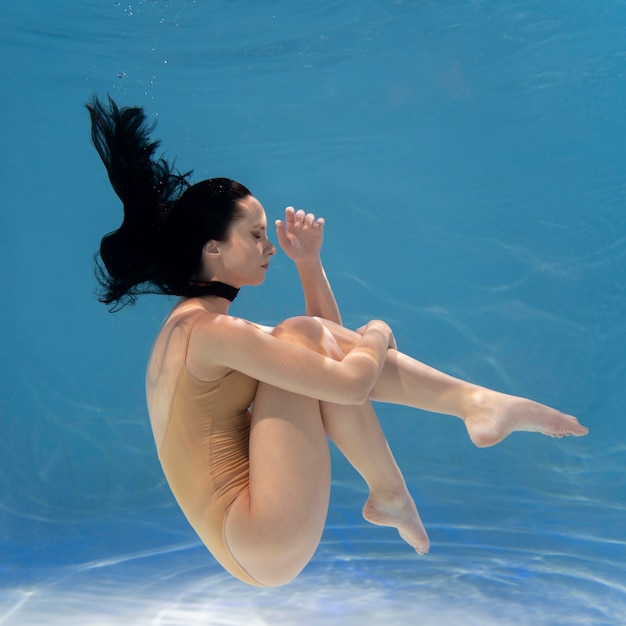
(191, 326)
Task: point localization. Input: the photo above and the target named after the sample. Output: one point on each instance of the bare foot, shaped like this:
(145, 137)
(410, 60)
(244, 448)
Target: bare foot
(496, 415)
(399, 512)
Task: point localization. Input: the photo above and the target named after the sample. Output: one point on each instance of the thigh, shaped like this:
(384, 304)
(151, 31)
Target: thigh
(274, 527)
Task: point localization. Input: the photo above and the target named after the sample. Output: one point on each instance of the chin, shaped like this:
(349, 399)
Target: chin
(257, 282)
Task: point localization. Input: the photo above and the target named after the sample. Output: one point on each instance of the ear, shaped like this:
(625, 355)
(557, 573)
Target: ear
(211, 247)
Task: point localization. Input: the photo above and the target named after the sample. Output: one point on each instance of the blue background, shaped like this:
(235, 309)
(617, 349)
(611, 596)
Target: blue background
(468, 158)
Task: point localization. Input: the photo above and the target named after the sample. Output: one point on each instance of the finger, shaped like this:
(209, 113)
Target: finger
(281, 234)
(308, 221)
(319, 223)
(290, 214)
(299, 220)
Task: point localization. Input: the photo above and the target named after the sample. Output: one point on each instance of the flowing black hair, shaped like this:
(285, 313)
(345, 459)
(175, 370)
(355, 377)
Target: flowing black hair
(166, 220)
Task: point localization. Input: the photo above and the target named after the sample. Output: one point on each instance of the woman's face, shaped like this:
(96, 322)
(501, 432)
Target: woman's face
(243, 259)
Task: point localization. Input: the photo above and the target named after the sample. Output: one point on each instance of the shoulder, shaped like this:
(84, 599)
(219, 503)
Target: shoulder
(215, 341)
(219, 331)
(188, 324)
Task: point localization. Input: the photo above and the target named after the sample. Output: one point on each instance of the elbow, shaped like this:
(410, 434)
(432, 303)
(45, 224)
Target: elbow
(355, 392)
(361, 398)
(356, 380)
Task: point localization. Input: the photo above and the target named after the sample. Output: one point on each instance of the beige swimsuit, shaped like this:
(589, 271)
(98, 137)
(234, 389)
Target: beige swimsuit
(205, 454)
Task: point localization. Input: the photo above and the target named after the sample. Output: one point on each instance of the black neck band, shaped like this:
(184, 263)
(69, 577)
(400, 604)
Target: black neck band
(199, 288)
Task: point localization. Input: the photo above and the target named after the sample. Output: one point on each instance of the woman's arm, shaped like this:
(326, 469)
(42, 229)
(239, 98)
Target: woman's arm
(233, 343)
(318, 295)
(300, 236)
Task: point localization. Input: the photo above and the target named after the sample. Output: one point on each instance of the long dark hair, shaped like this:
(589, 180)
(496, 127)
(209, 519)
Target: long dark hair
(166, 222)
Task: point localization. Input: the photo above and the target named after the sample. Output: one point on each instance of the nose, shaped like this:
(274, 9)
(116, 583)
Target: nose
(271, 248)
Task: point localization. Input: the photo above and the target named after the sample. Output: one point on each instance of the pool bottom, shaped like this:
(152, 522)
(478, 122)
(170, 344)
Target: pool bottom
(473, 576)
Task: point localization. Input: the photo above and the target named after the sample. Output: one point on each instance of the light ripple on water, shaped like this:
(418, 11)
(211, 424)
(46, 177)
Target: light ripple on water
(473, 576)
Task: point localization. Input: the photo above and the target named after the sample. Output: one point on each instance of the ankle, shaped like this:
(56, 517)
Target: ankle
(387, 497)
(473, 402)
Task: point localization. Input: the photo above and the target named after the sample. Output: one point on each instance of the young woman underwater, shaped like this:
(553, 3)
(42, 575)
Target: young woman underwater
(241, 413)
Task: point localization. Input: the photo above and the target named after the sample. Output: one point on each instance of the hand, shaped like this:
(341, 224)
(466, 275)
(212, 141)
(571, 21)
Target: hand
(300, 235)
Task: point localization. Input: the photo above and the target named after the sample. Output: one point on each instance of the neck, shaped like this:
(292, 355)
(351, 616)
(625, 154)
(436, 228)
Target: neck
(199, 288)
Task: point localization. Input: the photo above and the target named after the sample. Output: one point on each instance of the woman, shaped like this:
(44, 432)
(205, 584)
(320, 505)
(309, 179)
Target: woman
(240, 412)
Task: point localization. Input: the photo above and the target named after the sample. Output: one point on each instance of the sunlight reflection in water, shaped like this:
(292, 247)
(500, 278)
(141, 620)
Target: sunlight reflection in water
(460, 582)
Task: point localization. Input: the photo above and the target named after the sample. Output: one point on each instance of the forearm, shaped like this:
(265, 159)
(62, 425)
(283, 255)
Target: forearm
(318, 295)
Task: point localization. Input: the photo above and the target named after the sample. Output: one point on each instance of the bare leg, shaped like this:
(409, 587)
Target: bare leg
(356, 431)
(274, 527)
(489, 416)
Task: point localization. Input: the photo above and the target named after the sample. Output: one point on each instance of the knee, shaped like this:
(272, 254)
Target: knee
(300, 325)
(310, 333)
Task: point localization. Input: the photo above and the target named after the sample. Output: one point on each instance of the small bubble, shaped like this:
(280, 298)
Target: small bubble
(121, 74)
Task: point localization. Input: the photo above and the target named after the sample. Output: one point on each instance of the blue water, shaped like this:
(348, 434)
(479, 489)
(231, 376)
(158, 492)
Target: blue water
(468, 157)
